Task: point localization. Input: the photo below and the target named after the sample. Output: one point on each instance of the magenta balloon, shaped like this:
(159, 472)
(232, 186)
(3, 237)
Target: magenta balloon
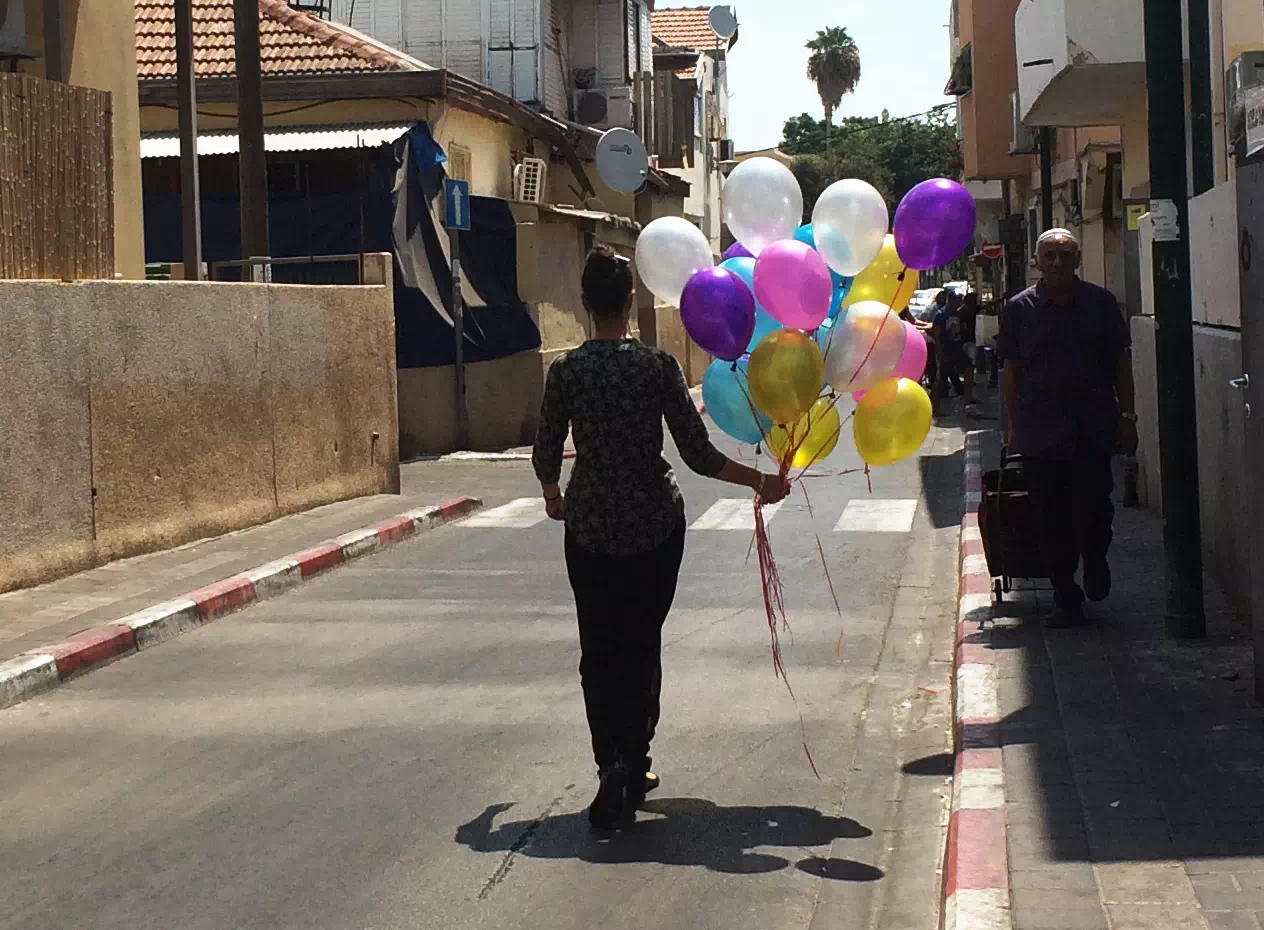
(718, 311)
(934, 224)
(737, 250)
(912, 364)
(792, 282)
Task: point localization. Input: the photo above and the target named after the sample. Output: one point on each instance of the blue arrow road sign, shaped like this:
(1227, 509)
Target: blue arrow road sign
(456, 195)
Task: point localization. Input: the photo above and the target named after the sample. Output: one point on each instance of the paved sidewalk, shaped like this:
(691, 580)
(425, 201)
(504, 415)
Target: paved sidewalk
(1133, 765)
(33, 617)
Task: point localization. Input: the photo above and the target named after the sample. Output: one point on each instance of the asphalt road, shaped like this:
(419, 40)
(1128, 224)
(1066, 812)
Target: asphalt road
(401, 743)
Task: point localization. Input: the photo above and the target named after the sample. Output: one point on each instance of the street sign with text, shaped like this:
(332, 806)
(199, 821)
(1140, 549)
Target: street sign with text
(456, 197)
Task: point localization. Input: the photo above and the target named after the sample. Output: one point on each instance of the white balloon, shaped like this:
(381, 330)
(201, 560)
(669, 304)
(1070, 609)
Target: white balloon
(849, 222)
(668, 252)
(762, 203)
(864, 346)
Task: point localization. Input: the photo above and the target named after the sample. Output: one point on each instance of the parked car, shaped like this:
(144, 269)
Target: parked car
(922, 303)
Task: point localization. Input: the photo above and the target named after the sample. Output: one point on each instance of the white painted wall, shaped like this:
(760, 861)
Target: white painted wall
(1213, 221)
(1069, 32)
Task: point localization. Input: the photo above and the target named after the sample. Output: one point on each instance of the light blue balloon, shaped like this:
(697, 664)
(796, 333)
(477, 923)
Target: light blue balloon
(744, 268)
(841, 284)
(841, 287)
(726, 394)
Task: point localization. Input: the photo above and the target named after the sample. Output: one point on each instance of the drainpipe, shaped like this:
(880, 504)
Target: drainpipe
(1200, 104)
(1046, 178)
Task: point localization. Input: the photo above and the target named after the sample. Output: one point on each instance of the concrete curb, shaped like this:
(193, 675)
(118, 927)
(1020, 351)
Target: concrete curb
(48, 666)
(976, 870)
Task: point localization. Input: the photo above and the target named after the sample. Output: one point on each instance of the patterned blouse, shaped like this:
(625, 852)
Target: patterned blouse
(622, 498)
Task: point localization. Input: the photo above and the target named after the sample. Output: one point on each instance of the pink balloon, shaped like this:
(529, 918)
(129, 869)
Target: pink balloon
(912, 364)
(793, 284)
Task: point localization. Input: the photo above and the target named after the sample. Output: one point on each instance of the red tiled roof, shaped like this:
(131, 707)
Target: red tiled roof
(688, 27)
(291, 42)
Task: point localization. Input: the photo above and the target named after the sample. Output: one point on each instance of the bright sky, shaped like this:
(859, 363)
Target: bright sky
(903, 53)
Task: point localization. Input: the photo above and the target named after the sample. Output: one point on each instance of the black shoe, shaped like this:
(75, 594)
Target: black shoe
(1064, 617)
(1097, 580)
(607, 808)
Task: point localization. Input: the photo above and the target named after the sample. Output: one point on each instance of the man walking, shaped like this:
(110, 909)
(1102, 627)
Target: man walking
(1069, 398)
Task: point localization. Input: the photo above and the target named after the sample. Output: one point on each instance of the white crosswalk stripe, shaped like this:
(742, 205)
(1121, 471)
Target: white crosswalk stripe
(519, 515)
(733, 514)
(865, 515)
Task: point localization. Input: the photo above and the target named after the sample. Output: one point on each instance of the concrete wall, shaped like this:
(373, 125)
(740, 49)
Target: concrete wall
(136, 416)
(1222, 473)
(987, 26)
(101, 42)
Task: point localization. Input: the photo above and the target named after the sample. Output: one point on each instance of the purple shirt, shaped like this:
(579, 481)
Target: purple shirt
(1070, 356)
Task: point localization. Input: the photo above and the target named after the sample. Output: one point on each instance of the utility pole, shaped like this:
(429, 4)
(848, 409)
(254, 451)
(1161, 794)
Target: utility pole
(1046, 178)
(1200, 96)
(1173, 317)
(251, 161)
(190, 196)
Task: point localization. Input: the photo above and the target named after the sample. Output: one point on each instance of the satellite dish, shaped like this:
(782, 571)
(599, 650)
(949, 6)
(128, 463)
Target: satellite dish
(723, 21)
(622, 161)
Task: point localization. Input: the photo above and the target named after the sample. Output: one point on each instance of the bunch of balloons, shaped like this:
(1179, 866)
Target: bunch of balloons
(796, 315)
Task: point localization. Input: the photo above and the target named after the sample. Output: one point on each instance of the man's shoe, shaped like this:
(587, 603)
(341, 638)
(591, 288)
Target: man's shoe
(1097, 580)
(607, 808)
(652, 782)
(1064, 617)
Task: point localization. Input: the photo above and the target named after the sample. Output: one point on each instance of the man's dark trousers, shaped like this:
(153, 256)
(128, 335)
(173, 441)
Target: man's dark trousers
(1075, 513)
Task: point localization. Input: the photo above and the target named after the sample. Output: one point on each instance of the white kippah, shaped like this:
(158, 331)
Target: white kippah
(1058, 233)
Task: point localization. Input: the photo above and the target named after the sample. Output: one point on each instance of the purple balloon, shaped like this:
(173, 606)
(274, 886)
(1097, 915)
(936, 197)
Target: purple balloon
(718, 311)
(737, 250)
(934, 224)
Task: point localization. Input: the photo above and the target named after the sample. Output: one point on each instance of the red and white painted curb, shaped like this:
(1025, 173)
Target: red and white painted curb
(976, 873)
(48, 666)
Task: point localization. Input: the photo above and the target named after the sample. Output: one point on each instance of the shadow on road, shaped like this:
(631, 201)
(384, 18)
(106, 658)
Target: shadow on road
(679, 831)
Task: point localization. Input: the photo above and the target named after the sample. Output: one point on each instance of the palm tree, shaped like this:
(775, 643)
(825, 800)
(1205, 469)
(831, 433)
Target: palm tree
(834, 68)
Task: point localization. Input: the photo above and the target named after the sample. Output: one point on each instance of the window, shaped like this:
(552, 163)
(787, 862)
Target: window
(458, 162)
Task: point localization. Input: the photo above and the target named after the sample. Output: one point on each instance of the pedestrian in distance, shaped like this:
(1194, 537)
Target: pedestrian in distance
(625, 521)
(954, 342)
(1069, 399)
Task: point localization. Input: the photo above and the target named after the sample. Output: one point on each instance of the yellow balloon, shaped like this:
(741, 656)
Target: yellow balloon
(881, 280)
(891, 421)
(815, 435)
(786, 373)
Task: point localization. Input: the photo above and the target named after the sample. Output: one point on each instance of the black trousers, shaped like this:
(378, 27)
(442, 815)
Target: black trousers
(1075, 514)
(622, 603)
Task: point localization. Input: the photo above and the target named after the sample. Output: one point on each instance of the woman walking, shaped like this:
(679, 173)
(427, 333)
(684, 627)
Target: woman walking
(625, 522)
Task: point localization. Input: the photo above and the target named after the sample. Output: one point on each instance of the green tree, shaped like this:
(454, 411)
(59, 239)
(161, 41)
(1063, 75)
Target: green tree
(893, 155)
(834, 67)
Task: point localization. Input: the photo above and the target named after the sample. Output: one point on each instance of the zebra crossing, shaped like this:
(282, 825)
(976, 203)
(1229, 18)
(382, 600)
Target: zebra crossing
(861, 515)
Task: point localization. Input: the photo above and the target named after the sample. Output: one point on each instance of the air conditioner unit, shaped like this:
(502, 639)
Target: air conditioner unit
(529, 178)
(608, 108)
(620, 107)
(1022, 138)
(13, 29)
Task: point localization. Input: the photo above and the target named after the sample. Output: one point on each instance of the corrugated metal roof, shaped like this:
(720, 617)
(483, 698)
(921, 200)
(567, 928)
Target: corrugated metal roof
(296, 139)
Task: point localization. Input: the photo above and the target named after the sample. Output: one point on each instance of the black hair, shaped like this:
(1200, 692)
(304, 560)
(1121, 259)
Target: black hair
(607, 281)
